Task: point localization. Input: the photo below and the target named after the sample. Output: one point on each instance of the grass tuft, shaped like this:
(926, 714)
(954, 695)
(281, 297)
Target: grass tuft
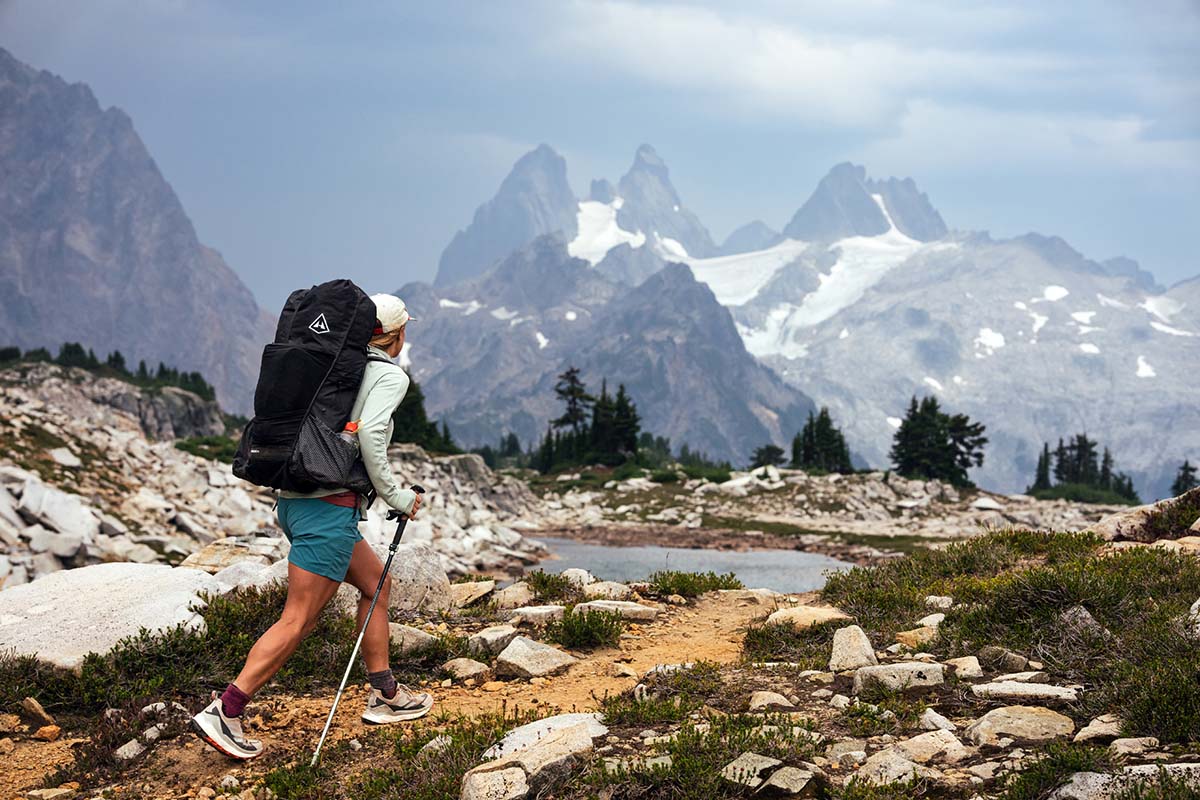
(1173, 518)
(548, 586)
(690, 584)
(784, 641)
(586, 630)
(1056, 764)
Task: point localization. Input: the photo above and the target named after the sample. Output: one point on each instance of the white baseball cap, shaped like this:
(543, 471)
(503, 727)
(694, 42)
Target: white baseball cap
(390, 313)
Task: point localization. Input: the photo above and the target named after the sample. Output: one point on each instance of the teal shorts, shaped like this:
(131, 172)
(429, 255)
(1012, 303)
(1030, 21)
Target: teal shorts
(322, 535)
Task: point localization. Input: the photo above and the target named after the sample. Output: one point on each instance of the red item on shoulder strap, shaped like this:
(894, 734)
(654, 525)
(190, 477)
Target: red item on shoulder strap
(343, 499)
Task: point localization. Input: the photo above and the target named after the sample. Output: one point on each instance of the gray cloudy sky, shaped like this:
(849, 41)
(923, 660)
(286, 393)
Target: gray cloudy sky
(313, 139)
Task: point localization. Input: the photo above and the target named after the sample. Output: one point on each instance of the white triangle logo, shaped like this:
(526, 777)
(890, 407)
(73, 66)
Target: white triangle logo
(319, 325)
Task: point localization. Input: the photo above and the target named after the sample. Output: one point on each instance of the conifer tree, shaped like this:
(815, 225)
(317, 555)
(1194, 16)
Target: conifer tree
(573, 393)
(1041, 480)
(626, 423)
(603, 433)
(933, 444)
(767, 455)
(1185, 479)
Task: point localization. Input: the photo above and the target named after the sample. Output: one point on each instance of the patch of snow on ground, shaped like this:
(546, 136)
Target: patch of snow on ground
(895, 422)
(1090, 348)
(1162, 307)
(959, 380)
(1020, 306)
(571, 316)
(669, 248)
(512, 323)
(599, 231)
(1158, 326)
(470, 307)
(937, 386)
(989, 340)
(1039, 321)
(736, 279)
(541, 340)
(1144, 370)
(845, 332)
(503, 313)
(1053, 294)
(1084, 317)
(775, 337)
(1110, 302)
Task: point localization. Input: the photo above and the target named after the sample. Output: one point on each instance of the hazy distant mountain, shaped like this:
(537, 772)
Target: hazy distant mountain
(95, 246)
(488, 352)
(756, 235)
(534, 199)
(653, 207)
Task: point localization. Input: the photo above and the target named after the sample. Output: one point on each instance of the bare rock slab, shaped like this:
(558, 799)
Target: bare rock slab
(903, 676)
(464, 594)
(527, 736)
(1103, 728)
(940, 745)
(503, 784)
(890, 766)
(965, 667)
(852, 649)
(1020, 690)
(463, 668)
(525, 658)
(491, 641)
(514, 596)
(1024, 723)
(748, 769)
(635, 612)
(539, 615)
(789, 782)
(607, 590)
(44, 618)
(806, 616)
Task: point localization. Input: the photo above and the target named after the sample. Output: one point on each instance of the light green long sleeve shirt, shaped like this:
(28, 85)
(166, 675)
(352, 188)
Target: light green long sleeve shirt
(383, 387)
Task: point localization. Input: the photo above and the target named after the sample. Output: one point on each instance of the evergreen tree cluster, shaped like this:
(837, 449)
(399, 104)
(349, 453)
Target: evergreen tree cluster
(610, 437)
(1185, 479)
(411, 424)
(820, 446)
(932, 444)
(1076, 465)
(73, 354)
(506, 453)
(769, 455)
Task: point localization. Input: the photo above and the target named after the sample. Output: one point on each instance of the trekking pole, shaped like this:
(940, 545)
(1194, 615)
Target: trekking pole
(403, 521)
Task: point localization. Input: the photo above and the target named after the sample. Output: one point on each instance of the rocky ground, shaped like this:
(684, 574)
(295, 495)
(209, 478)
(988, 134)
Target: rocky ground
(89, 473)
(854, 517)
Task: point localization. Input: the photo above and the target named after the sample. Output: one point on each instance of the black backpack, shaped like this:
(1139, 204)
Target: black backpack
(309, 379)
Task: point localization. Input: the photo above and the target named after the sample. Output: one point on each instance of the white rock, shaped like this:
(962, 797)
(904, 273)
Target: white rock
(900, 676)
(933, 721)
(939, 745)
(492, 640)
(463, 668)
(607, 590)
(526, 736)
(890, 766)
(965, 667)
(418, 581)
(1019, 722)
(65, 457)
(1100, 729)
(525, 658)
(763, 700)
(409, 639)
(1016, 690)
(540, 615)
(514, 596)
(931, 621)
(748, 769)
(62, 512)
(851, 649)
(464, 594)
(44, 618)
(939, 601)
(985, 503)
(627, 610)
(240, 573)
(578, 577)
(1132, 746)
(1100, 786)
(504, 784)
(805, 616)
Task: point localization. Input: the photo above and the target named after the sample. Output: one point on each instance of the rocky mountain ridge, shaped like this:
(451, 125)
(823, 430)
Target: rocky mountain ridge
(81, 482)
(95, 246)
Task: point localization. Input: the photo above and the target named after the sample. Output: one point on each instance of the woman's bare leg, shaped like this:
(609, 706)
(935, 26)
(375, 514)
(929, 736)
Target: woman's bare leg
(364, 572)
(307, 595)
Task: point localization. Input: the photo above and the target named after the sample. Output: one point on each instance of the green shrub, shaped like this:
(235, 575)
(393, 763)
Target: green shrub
(626, 471)
(714, 474)
(586, 630)
(1173, 518)
(664, 476)
(1082, 493)
(783, 641)
(625, 709)
(551, 586)
(1163, 786)
(216, 448)
(1057, 763)
(881, 711)
(690, 584)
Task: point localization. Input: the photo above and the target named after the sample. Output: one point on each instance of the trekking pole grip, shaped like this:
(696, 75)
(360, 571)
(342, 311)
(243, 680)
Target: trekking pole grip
(402, 517)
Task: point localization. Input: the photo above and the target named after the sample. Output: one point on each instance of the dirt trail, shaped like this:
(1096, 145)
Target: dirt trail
(709, 629)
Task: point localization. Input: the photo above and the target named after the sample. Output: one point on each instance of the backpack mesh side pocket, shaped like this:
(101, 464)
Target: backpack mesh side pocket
(321, 456)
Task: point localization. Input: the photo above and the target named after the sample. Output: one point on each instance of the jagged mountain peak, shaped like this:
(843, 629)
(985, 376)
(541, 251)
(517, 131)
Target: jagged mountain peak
(844, 204)
(651, 204)
(533, 199)
(754, 235)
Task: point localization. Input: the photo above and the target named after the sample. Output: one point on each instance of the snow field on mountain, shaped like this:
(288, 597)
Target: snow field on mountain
(599, 231)
(737, 279)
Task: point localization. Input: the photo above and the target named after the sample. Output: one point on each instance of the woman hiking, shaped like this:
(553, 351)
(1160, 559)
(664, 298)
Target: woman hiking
(327, 549)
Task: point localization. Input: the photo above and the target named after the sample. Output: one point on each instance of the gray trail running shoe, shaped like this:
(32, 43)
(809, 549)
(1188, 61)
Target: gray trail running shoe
(406, 705)
(225, 733)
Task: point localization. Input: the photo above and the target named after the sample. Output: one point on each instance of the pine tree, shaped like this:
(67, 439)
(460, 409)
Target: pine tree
(603, 432)
(573, 393)
(142, 373)
(768, 454)
(820, 445)
(1106, 470)
(626, 423)
(932, 444)
(1041, 480)
(116, 362)
(1062, 464)
(1185, 479)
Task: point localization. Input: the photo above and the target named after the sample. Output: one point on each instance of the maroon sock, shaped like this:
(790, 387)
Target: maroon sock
(233, 701)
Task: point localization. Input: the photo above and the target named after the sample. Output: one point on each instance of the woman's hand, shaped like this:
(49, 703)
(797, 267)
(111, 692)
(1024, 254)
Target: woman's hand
(416, 507)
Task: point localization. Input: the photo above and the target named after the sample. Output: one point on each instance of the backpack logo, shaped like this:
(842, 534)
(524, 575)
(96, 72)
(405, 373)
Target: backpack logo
(319, 325)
